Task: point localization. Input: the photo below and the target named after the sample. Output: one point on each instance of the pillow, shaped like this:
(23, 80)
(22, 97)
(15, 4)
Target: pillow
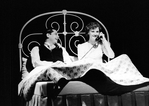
(26, 67)
(23, 69)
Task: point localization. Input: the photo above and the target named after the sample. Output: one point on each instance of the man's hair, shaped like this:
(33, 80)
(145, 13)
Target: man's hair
(49, 31)
(44, 37)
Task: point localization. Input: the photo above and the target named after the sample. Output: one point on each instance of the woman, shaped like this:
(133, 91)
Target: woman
(96, 44)
(115, 77)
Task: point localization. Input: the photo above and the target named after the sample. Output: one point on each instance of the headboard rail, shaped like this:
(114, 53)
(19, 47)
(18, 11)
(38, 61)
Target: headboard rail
(69, 24)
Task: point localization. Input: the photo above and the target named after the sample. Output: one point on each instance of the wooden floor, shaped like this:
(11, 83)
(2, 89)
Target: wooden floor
(129, 99)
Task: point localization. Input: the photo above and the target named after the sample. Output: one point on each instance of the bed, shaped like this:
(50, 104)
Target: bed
(70, 27)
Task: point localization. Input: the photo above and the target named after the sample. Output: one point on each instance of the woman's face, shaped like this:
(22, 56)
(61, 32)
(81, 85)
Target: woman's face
(93, 33)
(53, 37)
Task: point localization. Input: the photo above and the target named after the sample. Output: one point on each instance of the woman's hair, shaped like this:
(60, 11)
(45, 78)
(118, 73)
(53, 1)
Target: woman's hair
(91, 25)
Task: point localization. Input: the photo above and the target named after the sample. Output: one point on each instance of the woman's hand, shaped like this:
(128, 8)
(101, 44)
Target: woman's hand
(102, 36)
(100, 39)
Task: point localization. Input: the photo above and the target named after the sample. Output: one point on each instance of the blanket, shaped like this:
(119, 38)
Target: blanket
(121, 70)
(52, 72)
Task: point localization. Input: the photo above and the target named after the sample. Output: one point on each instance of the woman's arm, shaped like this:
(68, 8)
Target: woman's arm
(107, 49)
(35, 58)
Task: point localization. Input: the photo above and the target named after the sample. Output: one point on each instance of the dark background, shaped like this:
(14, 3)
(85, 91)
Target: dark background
(127, 22)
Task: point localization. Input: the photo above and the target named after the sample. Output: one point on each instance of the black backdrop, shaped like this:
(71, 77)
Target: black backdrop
(127, 22)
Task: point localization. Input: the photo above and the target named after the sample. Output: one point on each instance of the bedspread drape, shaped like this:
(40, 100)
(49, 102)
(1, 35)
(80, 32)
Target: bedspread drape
(121, 70)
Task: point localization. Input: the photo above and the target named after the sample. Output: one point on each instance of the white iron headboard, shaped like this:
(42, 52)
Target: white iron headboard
(69, 24)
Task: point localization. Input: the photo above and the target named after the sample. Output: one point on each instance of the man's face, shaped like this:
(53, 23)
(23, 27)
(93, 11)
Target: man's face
(53, 37)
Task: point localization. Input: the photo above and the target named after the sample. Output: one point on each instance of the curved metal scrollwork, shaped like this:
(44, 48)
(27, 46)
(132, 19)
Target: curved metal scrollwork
(74, 41)
(70, 27)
